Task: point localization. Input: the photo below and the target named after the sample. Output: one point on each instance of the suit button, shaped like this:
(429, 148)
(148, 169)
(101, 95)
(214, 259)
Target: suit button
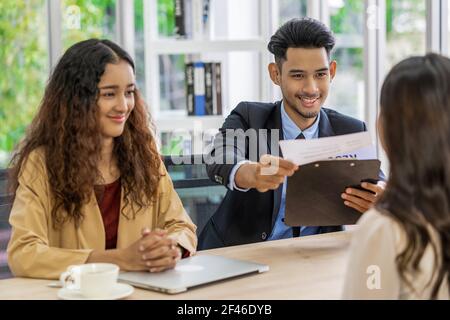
(263, 236)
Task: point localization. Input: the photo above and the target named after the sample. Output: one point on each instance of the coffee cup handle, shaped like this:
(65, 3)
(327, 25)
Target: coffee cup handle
(68, 278)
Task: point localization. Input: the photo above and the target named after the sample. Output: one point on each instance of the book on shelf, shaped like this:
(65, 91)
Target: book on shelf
(208, 88)
(199, 89)
(206, 27)
(217, 89)
(180, 29)
(197, 19)
(192, 19)
(203, 88)
(189, 76)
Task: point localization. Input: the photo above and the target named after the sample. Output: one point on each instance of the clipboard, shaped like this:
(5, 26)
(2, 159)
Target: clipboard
(313, 196)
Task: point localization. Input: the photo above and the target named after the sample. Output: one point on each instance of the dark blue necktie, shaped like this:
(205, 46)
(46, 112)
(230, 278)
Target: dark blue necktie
(300, 136)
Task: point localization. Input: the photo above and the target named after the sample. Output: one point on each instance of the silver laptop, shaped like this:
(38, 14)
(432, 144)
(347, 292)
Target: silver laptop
(191, 272)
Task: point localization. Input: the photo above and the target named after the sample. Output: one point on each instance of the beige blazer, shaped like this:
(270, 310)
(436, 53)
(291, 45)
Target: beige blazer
(37, 250)
(372, 270)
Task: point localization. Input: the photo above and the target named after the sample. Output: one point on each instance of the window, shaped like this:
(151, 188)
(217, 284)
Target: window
(84, 19)
(200, 196)
(139, 50)
(166, 18)
(448, 17)
(290, 9)
(405, 29)
(24, 57)
(347, 90)
(171, 82)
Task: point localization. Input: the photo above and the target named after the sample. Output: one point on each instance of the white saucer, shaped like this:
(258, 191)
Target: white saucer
(121, 290)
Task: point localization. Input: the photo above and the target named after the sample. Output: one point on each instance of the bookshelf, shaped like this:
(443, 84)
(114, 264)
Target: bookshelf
(193, 46)
(237, 38)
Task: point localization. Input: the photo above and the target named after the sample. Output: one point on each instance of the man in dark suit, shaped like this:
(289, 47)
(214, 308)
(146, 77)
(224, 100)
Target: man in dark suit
(246, 147)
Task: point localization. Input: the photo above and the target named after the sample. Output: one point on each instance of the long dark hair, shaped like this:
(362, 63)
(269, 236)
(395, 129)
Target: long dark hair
(415, 126)
(66, 126)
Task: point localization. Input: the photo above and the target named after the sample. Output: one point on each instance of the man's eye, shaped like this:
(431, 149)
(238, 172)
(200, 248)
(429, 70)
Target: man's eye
(298, 76)
(321, 75)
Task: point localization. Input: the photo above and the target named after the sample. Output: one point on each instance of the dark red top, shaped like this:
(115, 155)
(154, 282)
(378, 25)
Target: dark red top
(108, 199)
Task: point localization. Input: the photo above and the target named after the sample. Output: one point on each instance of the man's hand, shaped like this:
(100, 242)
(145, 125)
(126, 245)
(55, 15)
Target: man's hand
(267, 174)
(363, 200)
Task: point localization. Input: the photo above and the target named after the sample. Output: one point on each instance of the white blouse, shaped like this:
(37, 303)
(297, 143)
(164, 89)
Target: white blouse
(372, 270)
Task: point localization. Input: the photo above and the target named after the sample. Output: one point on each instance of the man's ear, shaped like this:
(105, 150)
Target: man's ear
(275, 73)
(333, 67)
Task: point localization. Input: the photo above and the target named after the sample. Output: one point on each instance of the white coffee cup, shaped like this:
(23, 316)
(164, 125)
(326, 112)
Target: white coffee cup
(93, 280)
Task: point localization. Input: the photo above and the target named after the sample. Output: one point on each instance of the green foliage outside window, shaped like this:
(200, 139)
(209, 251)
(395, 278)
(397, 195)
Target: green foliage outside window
(97, 20)
(405, 28)
(348, 20)
(24, 57)
(413, 9)
(139, 44)
(166, 18)
(24, 68)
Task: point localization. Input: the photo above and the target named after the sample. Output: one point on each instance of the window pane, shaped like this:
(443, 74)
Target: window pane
(347, 90)
(242, 21)
(24, 61)
(171, 82)
(200, 202)
(84, 19)
(166, 18)
(405, 28)
(176, 143)
(291, 9)
(139, 44)
(449, 30)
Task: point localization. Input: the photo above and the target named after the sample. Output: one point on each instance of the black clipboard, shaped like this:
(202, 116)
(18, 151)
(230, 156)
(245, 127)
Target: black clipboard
(313, 196)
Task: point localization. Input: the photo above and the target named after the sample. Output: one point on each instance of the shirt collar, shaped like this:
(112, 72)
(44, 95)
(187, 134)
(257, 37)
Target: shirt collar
(290, 129)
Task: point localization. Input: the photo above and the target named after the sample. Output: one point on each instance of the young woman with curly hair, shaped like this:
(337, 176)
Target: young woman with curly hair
(88, 180)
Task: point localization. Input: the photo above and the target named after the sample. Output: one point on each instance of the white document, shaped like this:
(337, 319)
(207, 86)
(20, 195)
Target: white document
(350, 146)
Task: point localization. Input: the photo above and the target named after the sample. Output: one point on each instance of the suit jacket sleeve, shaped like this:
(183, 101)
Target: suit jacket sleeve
(229, 146)
(29, 252)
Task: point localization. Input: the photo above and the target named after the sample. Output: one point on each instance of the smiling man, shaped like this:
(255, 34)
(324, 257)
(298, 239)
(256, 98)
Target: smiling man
(253, 208)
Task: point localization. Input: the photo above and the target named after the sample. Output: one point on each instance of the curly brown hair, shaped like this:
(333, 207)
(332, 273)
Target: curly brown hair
(66, 127)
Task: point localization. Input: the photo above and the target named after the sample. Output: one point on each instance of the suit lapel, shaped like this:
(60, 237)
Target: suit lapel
(274, 127)
(325, 128)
